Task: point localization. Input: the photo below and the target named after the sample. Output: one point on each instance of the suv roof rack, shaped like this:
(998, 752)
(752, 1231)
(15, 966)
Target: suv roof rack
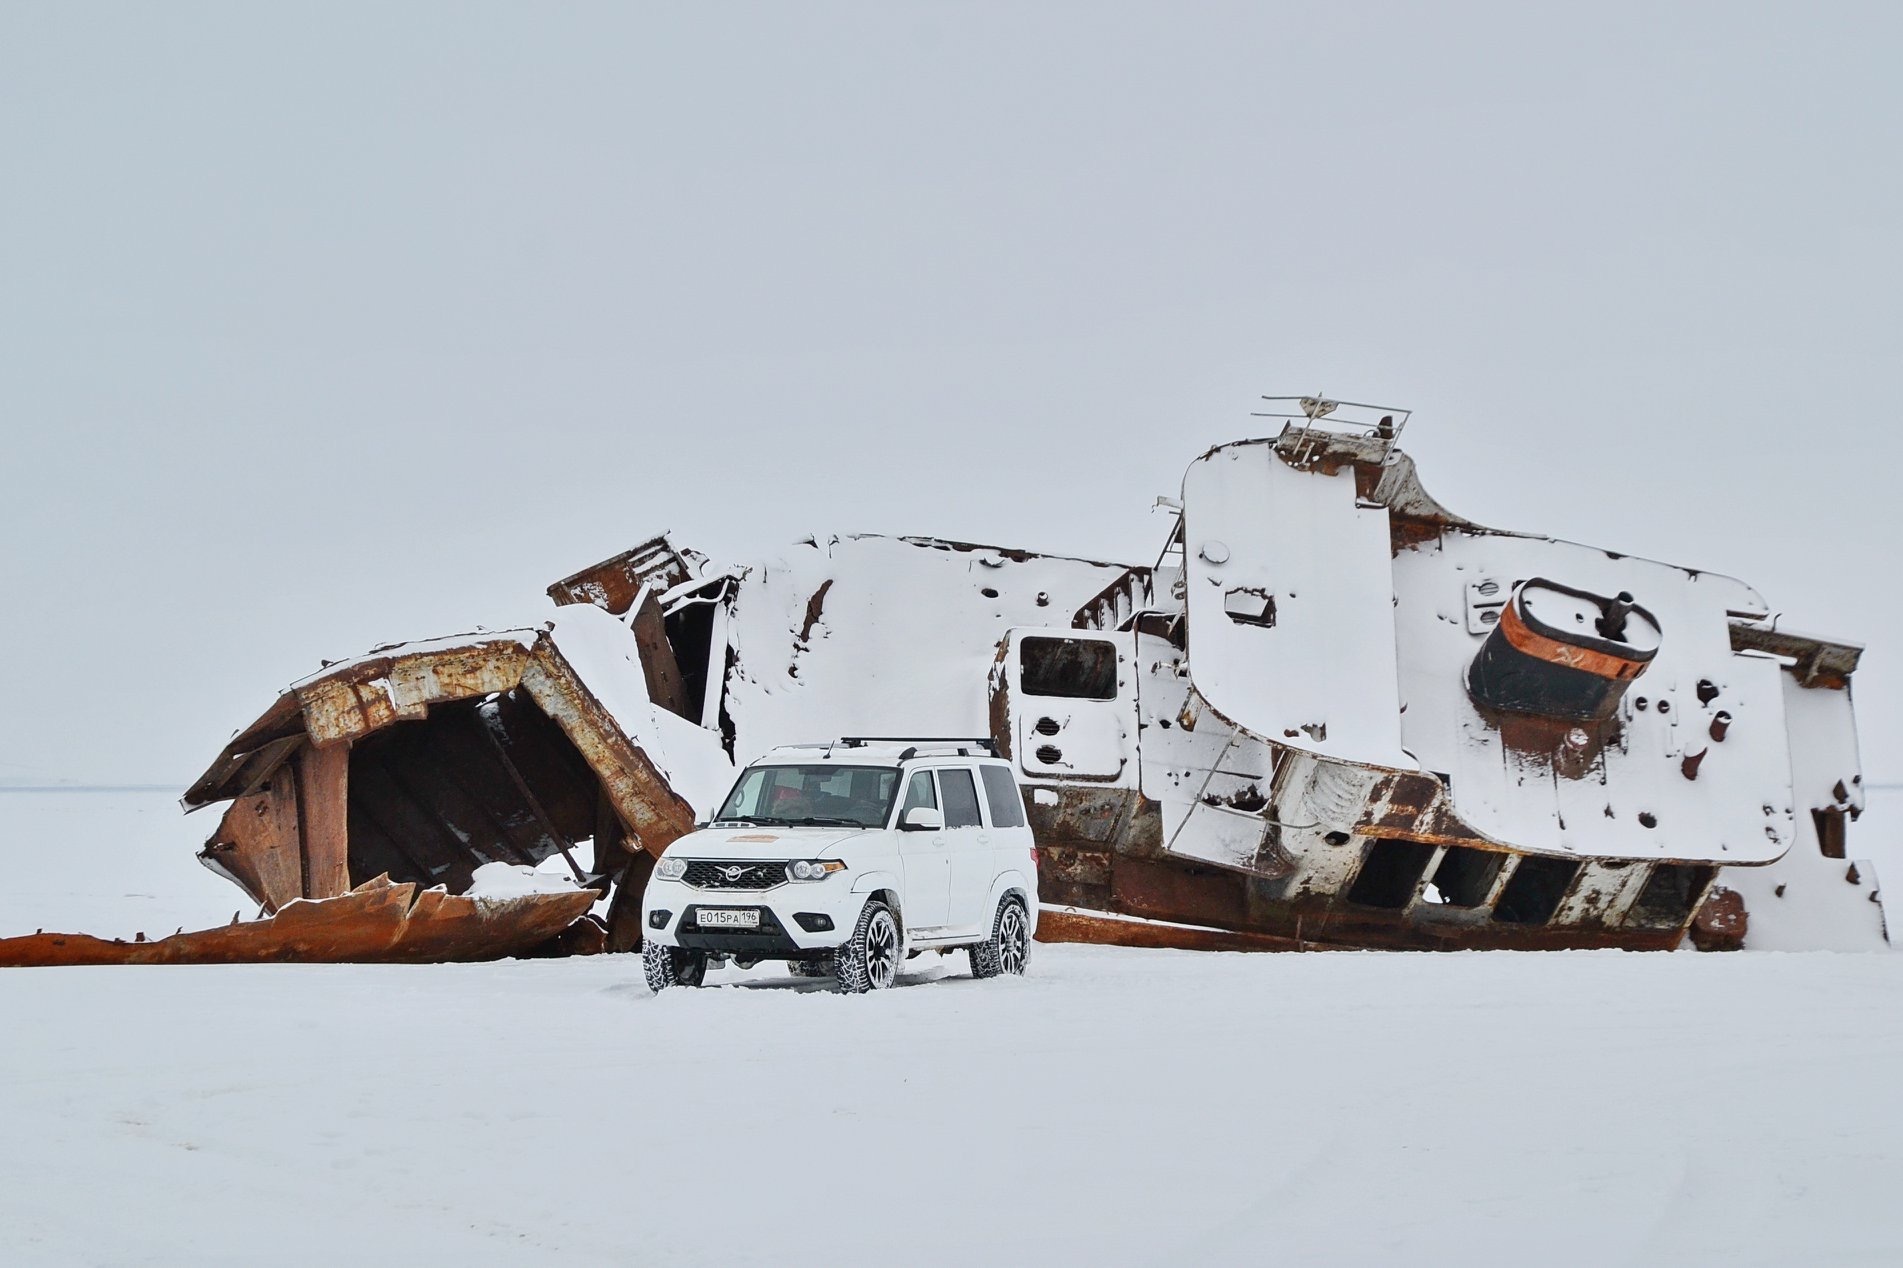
(961, 744)
(915, 746)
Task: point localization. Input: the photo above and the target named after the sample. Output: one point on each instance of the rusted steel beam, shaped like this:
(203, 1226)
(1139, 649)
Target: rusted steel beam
(378, 922)
(610, 836)
(1107, 930)
(228, 776)
(624, 912)
(666, 686)
(492, 728)
(262, 764)
(1819, 662)
(648, 805)
(323, 820)
(370, 695)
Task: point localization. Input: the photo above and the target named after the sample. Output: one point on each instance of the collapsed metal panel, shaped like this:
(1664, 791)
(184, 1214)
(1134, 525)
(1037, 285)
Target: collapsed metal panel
(366, 798)
(377, 922)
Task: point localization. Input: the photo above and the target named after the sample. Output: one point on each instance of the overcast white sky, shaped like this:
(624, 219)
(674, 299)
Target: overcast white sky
(327, 325)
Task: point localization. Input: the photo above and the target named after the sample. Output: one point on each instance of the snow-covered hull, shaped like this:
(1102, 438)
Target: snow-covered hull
(1331, 713)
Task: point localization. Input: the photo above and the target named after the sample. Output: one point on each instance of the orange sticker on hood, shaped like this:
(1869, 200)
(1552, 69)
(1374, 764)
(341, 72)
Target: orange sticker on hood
(756, 836)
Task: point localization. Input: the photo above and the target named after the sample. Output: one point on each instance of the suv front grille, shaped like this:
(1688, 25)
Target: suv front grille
(703, 874)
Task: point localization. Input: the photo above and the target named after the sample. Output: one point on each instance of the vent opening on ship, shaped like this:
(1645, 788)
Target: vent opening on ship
(1670, 895)
(1465, 876)
(1390, 873)
(1535, 890)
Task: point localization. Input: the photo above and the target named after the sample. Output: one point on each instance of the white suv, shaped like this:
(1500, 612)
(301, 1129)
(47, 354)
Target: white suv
(845, 858)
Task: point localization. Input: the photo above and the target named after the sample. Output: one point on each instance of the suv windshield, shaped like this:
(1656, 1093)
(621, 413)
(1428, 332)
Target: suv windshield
(798, 796)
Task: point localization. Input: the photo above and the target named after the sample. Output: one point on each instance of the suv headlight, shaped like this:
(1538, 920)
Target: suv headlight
(813, 870)
(671, 869)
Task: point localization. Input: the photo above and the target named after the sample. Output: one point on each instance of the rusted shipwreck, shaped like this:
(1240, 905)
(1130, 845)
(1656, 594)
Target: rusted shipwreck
(1329, 713)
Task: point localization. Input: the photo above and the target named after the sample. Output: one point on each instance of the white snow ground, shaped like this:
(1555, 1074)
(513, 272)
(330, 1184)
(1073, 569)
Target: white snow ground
(1116, 1107)
(108, 863)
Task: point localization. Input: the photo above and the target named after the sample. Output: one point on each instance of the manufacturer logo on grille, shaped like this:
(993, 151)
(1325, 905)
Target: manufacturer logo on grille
(735, 873)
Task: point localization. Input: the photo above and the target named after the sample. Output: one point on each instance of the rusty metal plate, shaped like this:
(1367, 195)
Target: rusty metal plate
(378, 922)
(1083, 926)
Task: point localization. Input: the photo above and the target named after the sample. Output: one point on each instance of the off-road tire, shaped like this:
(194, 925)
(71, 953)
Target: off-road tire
(811, 968)
(1008, 949)
(870, 959)
(671, 966)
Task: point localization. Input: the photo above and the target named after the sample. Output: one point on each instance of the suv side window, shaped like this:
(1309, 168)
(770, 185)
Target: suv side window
(919, 793)
(961, 798)
(1001, 791)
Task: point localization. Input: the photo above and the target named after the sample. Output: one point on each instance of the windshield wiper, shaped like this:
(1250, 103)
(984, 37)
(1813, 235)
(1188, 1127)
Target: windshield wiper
(822, 821)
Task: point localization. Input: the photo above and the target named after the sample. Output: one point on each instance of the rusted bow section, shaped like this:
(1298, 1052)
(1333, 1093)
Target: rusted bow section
(365, 798)
(379, 921)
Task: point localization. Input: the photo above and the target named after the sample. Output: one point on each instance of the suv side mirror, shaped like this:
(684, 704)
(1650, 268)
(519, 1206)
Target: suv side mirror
(922, 819)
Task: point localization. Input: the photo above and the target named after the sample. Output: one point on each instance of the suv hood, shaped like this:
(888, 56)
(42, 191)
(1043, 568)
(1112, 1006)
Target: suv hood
(757, 844)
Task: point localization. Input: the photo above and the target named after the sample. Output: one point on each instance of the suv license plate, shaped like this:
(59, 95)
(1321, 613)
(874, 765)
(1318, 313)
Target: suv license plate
(729, 918)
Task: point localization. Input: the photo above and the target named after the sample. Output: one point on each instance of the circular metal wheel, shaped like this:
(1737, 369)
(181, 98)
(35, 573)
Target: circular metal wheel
(870, 959)
(1008, 949)
(1013, 938)
(881, 950)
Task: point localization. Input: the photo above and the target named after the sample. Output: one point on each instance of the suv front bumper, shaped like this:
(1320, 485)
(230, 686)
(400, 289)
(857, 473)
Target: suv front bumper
(670, 911)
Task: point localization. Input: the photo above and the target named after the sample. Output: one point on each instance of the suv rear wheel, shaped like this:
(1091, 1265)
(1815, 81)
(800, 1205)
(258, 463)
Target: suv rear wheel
(672, 966)
(1008, 949)
(870, 959)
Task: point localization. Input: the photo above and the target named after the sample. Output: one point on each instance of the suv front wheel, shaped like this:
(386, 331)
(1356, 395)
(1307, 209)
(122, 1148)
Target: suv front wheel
(870, 959)
(1009, 947)
(672, 966)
